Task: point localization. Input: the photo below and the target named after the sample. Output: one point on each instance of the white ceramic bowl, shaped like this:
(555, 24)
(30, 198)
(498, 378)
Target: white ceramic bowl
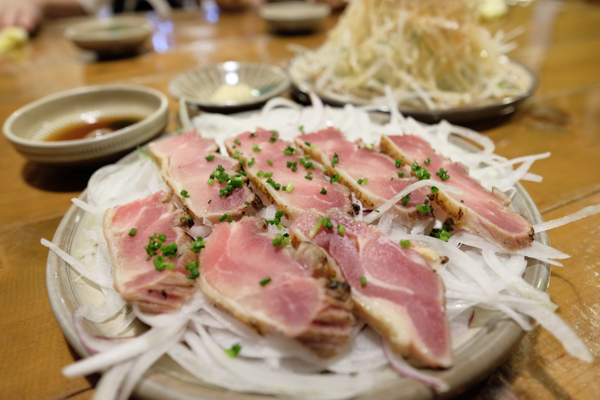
(110, 36)
(199, 85)
(289, 17)
(27, 127)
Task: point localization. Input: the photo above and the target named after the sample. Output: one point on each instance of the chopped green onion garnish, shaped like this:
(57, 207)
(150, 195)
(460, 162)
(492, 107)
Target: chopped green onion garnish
(193, 268)
(210, 182)
(301, 128)
(363, 281)
(310, 178)
(335, 178)
(234, 351)
(226, 217)
(255, 147)
(198, 245)
(289, 151)
(316, 228)
(398, 163)
(405, 200)
(369, 146)
(266, 280)
(251, 162)
(268, 174)
(434, 190)
(400, 174)
(428, 161)
(443, 174)
(335, 160)
(272, 140)
(210, 158)
(290, 187)
(307, 143)
(237, 141)
(209, 201)
(277, 241)
(363, 181)
(341, 230)
(405, 244)
(270, 162)
(252, 134)
(184, 193)
(132, 232)
(274, 133)
(169, 250)
(323, 191)
(423, 209)
(328, 224)
(260, 173)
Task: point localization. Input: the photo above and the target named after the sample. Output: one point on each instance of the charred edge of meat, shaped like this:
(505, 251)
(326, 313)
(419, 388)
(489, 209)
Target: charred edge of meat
(388, 147)
(339, 289)
(255, 205)
(315, 258)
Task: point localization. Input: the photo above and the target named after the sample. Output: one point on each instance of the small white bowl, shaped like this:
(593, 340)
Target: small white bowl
(199, 86)
(289, 17)
(27, 127)
(110, 36)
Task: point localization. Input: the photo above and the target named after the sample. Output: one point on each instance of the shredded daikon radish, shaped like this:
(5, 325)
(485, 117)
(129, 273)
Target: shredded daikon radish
(433, 54)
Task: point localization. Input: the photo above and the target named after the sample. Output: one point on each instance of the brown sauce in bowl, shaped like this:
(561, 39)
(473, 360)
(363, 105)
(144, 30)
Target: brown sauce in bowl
(85, 130)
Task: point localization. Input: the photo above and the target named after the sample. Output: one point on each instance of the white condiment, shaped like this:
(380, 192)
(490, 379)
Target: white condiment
(237, 92)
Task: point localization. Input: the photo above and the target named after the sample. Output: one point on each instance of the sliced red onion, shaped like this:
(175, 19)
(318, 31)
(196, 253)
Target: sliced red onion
(122, 352)
(409, 189)
(92, 275)
(405, 369)
(146, 360)
(585, 212)
(111, 381)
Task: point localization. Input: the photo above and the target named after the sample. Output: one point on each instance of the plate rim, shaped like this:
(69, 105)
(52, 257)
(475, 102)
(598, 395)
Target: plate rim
(492, 346)
(452, 115)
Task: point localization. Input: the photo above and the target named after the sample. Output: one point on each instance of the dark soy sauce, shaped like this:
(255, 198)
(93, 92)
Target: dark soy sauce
(85, 130)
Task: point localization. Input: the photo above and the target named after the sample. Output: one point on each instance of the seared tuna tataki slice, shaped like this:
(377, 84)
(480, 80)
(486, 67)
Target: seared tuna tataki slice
(187, 162)
(127, 229)
(290, 180)
(476, 209)
(396, 290)
(373, 177)
(274, 288)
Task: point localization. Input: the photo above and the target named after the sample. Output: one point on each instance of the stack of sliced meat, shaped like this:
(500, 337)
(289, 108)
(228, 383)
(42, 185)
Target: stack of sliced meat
(379, 176)
(136, 278)
(477, 209)
(396, 290)
(289, 290)
(185, 167)
(263, 153)
(276, 288)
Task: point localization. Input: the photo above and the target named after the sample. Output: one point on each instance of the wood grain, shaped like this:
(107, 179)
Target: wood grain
(560, 42)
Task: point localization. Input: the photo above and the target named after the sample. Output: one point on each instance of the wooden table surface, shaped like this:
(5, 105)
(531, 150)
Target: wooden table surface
(561, 42)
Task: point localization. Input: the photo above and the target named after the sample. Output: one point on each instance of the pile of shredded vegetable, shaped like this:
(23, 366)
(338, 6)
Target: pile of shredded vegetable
(217, 349)
(432, 53)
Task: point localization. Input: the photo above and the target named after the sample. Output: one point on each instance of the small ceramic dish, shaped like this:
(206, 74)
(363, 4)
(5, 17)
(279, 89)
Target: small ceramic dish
(110, 36)
(289, 17)
(231, 86)
(30, 127)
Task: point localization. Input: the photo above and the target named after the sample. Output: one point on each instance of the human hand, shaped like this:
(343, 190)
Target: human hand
(24, 14)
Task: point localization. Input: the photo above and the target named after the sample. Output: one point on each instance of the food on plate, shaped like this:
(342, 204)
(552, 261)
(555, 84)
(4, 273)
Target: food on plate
(274, 288)
(477, 209)
(432, 53)
(395, 289)
(160, 285)
(482, 281)
(373, 177)
(207, 184)
(292, 181)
